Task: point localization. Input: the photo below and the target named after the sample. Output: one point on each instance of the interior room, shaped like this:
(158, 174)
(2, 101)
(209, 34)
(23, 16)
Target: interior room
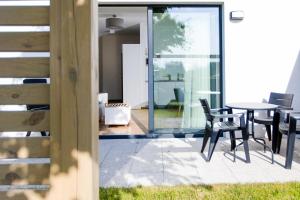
(123, 88)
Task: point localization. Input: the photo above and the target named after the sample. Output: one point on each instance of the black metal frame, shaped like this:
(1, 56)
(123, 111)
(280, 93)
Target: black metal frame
(150, 51)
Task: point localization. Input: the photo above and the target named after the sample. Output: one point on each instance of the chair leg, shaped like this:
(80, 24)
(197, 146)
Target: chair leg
(28, 133)
(279, 139)
(246, 145)
(275, 139)
(231, 133)
(213, 142)
(290, 150)
(275, 132)
(268, 128)
(43, 133)
(232, 140)
(179, 110)
(205, 139)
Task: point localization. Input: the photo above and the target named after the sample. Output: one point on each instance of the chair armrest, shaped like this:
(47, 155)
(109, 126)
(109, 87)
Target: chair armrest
(222, 116)
(285, 114)
(220, 110)
(284, 109)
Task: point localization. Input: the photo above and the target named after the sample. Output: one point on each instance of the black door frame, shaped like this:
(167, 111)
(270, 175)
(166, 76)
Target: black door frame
(150, 56)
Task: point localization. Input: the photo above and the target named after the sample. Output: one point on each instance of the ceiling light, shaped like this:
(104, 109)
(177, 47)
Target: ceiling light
(114, 23)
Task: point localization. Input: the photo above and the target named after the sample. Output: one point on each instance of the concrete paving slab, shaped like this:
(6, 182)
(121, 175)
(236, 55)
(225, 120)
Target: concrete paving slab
(176, 161)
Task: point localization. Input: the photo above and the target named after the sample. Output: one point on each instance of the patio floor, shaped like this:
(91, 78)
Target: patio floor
(172, 161)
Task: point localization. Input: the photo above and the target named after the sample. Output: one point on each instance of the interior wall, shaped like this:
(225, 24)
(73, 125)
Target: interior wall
(144, 56)
(111, 62)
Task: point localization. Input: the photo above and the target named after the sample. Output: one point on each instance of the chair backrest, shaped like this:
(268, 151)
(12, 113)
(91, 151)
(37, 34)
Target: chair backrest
(206, 109)
(35, 81)
(281, 99)
(179, 95)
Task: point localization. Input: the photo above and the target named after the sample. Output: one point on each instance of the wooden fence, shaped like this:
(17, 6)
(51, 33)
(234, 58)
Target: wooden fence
(71, 94)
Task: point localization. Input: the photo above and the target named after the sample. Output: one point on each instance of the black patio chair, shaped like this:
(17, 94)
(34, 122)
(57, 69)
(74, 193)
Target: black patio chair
(179, 97)
(36, 107)
(216, 124)
(287, 123)
(283, 101)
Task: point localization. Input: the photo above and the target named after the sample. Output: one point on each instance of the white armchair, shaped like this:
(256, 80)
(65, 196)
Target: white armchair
(117, 114)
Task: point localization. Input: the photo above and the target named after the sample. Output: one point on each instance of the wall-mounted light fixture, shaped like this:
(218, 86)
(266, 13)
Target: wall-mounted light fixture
(237, 15)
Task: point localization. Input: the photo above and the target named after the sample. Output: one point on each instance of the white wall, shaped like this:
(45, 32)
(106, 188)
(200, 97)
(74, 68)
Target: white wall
(132, 87)
(262, 52)
(144, 55)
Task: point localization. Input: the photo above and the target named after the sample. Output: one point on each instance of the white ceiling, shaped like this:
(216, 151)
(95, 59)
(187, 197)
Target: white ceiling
(131, 16)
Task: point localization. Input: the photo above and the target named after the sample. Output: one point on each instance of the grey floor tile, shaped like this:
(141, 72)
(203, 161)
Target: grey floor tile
(172, 161)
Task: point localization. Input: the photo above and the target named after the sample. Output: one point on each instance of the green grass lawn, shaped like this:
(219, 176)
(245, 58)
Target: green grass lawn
(287, 191)
(167, 113)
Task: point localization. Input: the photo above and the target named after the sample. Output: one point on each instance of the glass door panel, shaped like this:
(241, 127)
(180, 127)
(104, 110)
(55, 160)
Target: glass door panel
(186, 66)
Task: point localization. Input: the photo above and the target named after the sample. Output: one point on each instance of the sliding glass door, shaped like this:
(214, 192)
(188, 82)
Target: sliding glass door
(185, 65)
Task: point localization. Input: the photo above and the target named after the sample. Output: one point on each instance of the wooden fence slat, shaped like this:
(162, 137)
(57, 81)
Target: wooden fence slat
(24, 67)
(24, 15)
(23, 195)
(24, 94)
(29, 147)
(24, 174)
(24, 120)
(24, 41)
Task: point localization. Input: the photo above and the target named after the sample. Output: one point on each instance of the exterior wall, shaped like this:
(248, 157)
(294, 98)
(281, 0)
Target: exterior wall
(262, 52)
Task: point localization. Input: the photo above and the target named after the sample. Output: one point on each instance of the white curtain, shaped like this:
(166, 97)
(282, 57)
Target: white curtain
(197, 76)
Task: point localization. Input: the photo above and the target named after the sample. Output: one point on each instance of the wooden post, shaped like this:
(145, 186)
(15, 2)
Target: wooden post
(73, 100)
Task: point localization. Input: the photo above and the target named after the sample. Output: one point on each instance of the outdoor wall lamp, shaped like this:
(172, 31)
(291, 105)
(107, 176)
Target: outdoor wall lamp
(237, 15)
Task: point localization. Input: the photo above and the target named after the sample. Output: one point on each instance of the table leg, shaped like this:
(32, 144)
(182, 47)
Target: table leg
(232, 134)
(275, 131)
(257, 140)
(290, 143)
(290, 150)
(246, 146)
(247, 120)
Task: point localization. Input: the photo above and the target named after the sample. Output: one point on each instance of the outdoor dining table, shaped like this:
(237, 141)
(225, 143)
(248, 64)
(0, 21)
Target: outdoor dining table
(250, 107)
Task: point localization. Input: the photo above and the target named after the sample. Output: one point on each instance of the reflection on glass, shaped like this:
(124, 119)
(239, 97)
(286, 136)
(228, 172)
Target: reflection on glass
(186, 65)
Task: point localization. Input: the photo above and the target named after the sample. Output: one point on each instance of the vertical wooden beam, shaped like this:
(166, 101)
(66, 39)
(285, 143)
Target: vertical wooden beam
(74, 108)
(56, 189)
